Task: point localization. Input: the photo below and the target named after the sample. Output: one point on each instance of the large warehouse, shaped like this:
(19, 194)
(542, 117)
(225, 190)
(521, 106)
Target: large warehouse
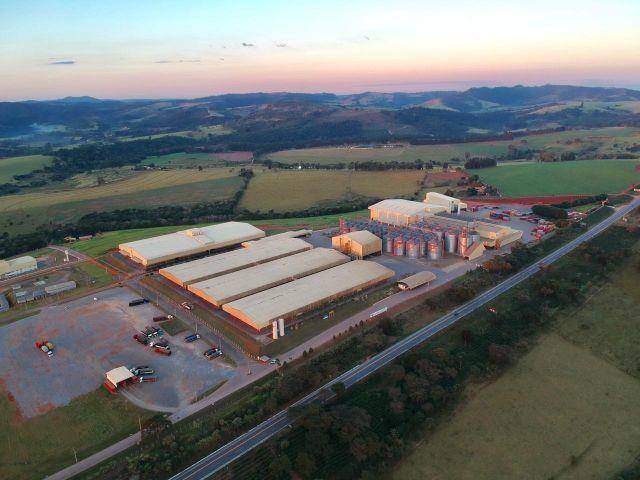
(240, 284)
(16, 266)
(450, 203)
(165, 248)
(359, 244)
(295, 298)
(209, 267)
(397, 211)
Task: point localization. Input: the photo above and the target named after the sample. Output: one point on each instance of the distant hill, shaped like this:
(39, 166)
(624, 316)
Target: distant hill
(285, 117)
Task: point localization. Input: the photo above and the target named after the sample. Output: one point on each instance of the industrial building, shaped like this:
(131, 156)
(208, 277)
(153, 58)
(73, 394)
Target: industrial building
(185, 243)
(358, 244)
(397, 211)
(240, 284)
(4, 303)
(451, 204)
(416, 280)
(210, 267)
(295, 298)
(279, 236)
(60, 287)
(16, 266)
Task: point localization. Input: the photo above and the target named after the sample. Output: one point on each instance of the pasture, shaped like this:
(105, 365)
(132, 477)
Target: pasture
(569, 178)
(11, 166)
(604, 140)
(146, 189)
(559, 412)
(295, 190)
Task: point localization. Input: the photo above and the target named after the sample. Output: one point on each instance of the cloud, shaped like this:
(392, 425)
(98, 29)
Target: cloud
(63, 62)
(178, 61)
(281, 45)
(245, 44)
(162, 61)
(366, 37)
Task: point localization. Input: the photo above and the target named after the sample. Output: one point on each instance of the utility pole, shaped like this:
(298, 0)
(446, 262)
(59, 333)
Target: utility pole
(75, 454)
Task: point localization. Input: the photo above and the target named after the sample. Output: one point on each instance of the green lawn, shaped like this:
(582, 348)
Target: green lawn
(562, 178)
(20, 165)
(34, 447)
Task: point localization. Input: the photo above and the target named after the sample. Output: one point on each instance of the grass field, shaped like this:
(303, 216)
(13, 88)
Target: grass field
(613, 139)
(34, 447)
(11, 166)
(579, 177)
(295, 190)
(560, 412)
(146, 189)
(110, 240)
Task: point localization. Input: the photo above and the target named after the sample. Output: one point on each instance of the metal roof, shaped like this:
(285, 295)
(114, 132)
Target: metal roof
(230, 287)
(190, 242)
(399, 205)
(363, 237)
(279, 236)
(418, 279)
(223, 263)
(293, 298)
(118, 375)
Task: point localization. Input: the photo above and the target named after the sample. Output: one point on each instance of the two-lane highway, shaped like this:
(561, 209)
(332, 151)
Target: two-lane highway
(235, 449)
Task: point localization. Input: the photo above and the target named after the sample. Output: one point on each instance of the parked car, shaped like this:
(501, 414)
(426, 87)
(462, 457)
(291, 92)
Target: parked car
(142, 371)
(163, 349)
(158, 342)
(151, 331)
(186, 306)
(212, 353)
(141, 338)
(138, 301)
(46, 347)
(274, 361)
(192, 338)
(162, 318)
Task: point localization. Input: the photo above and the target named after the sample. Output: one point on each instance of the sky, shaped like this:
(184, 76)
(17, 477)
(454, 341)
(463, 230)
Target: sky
(191, 48)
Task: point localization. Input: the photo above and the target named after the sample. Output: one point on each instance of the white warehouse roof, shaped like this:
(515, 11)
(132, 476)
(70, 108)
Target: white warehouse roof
(168, 247)
(304, 294)
(399, 205)
(230, 287)
(223, 263)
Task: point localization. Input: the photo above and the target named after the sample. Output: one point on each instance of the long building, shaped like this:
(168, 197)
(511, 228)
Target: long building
(240, 284)
(185, 243)
(16, 266)
(216, 265)
(295, 298)
(397, 211)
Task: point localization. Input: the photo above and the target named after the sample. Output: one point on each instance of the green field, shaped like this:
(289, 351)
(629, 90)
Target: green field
(11, 166)
(560, 412)
(604, 140)
(23, 212)
(34, 447)
(283, 191)
(109, 240)
(568, 178)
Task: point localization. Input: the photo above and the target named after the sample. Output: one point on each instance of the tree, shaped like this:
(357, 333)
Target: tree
(305, 465)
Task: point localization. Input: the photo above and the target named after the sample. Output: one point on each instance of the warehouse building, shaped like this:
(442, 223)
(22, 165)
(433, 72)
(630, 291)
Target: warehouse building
(210, 267)
(416, 280)
(359, 244)
(194, 241)
(280, 236)
(292, 299)
(16, 266)
(4, 303)
(451, 204)
(60, 287)
(240, 284)
(397, 211)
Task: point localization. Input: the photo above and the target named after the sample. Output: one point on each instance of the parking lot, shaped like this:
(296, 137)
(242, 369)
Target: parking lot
(93, 336)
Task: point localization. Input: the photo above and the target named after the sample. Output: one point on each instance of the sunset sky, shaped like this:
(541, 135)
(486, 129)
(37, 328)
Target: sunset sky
(149, 49)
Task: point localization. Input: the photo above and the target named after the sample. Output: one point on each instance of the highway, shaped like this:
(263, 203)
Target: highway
(236, 448)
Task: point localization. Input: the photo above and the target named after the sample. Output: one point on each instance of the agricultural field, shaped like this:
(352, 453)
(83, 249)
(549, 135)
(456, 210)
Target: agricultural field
(568, 178)
(604, 140)
(31, 448)
(190, 160)
(22, 212)
(199, 133)
(11, 166)
(560, 412)
(296, 190)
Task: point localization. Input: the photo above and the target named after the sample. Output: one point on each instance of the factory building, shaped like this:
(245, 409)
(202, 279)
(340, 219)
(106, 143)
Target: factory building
(216, 265)
(358, 244)
(416, 280)
(240, 284)
(397, 211)
(165, 248)
(16, 266)
(292, 299)
(280, 236)
(450, 204)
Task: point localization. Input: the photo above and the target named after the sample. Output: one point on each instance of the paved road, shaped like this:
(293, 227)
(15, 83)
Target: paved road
(235, 449)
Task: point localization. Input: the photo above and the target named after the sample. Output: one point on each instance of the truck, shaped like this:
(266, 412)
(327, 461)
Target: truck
(138, 301)
(46, 347)
(163, 349)
(162, 318)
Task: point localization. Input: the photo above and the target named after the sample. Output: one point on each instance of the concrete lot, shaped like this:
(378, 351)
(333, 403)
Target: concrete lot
(91, 337)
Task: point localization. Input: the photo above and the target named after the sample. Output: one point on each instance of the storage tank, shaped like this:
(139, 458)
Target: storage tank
(435, 250)
(413, 248)
(422, 246)
(439, 234)
(398, 247)
(463, 244)
(388, 244)
(474, 237)
(451, 242)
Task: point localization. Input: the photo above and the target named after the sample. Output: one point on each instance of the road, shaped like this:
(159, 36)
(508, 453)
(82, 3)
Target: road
(238, 447)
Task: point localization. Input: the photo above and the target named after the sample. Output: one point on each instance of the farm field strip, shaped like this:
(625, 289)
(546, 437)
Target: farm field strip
(11, 166)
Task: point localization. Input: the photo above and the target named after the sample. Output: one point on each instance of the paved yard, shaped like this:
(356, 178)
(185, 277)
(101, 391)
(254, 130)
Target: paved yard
(90, 337)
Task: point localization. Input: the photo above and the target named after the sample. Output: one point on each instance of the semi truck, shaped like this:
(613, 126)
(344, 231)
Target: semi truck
(138, 301)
